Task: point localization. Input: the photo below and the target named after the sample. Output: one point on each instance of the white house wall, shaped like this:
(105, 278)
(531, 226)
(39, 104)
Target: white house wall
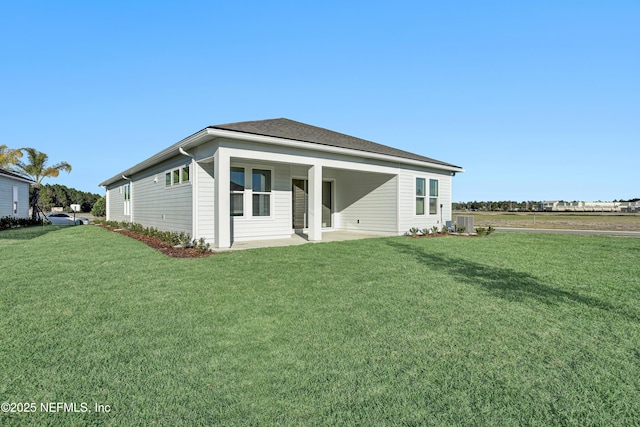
(157, 205)
(153, 204)
(407, 197)
(278, 225)
(366, 202)
(6, 197)
(205, 204)
(115, 202)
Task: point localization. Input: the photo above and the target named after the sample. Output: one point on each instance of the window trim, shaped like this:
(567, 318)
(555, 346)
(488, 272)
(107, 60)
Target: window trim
(235, 192)
(434, 198)
(170, 175)
(248, 192)
(422, 197)
(263, 193)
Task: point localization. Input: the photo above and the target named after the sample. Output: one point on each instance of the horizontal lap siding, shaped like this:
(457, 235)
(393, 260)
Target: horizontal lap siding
(6, 198)
(116, 203)
(206, 201)
(366, 202)
(156, 205)
(279, 225)
(407, 191)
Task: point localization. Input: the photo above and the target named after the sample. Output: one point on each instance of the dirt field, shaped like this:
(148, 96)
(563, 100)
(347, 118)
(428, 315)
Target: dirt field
(557, 220)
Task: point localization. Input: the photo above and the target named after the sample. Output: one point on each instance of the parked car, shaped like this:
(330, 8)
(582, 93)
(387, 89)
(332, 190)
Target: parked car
(62, 218)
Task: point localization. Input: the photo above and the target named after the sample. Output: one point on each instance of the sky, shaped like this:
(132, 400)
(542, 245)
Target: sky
(536, 100)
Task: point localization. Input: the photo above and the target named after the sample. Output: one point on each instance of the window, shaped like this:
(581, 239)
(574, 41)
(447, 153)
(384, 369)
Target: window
(126, 190)
(261, 186)
(420, 195)
(177, 176)
(433, 196)
(237, 191)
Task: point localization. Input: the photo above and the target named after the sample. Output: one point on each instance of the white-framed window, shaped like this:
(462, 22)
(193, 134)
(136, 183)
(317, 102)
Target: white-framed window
(177, 176)
(250, 191)
(433, 197)
(421, 194)
(237, 191)
(261, 192)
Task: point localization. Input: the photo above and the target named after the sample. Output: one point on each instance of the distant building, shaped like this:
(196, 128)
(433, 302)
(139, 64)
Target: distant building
(558, 206)
(14, 195)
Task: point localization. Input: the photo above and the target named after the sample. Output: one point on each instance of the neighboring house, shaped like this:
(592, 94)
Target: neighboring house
(267, 179)
(14, 195)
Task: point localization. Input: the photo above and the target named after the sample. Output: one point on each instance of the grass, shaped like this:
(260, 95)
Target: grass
(556, 220)
(507, 330)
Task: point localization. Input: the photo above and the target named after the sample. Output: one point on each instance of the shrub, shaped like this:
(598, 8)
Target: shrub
(7, 222)
(461, 229)
(414, 231)
(434, 229)
(201, 246)
(481, 231)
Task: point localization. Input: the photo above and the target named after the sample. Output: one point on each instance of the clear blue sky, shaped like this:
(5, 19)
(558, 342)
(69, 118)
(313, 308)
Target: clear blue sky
(537, 100)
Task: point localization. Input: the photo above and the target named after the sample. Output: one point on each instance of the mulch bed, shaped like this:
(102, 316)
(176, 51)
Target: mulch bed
(160, 245)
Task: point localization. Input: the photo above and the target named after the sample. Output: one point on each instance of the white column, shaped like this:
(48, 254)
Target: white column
(315, 203)
(222, 176)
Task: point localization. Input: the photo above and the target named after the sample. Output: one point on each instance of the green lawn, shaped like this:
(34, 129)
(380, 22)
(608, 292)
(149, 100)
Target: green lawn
(514, 329)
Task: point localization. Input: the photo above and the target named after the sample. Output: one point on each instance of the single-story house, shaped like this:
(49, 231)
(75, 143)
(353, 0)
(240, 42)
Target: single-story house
(268, 179)
(14, 195)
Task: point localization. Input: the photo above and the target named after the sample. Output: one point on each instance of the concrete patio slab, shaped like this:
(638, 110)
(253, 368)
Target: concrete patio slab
(301, 239)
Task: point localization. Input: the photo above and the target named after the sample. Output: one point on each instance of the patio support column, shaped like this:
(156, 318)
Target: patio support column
(315, 203)
(221, 175)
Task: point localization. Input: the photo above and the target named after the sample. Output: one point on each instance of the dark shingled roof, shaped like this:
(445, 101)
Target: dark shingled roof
(290, 129)
(15, 175)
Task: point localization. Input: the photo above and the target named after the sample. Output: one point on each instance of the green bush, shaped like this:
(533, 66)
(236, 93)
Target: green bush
(7, 222)
(100, 207)
(171, 237)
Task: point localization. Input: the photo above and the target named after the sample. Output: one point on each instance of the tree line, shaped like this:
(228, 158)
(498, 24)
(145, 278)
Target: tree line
(508, 205)
(57, 195)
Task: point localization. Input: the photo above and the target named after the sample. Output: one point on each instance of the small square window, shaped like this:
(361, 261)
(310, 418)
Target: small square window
(167, 179)
(185, 174)
(176, 176)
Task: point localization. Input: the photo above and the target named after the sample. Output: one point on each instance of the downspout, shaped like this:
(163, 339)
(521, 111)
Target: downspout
(194, 192)
(130, 197)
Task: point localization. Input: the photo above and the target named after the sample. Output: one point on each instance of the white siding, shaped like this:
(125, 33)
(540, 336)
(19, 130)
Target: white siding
(278, 225)
(115, 209)
(407, 195)
(156, 205)
(206, 201)
(366, 202)
(6, 197)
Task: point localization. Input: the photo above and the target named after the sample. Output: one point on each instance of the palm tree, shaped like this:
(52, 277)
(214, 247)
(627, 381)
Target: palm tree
(37, 170)
(8, 157)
